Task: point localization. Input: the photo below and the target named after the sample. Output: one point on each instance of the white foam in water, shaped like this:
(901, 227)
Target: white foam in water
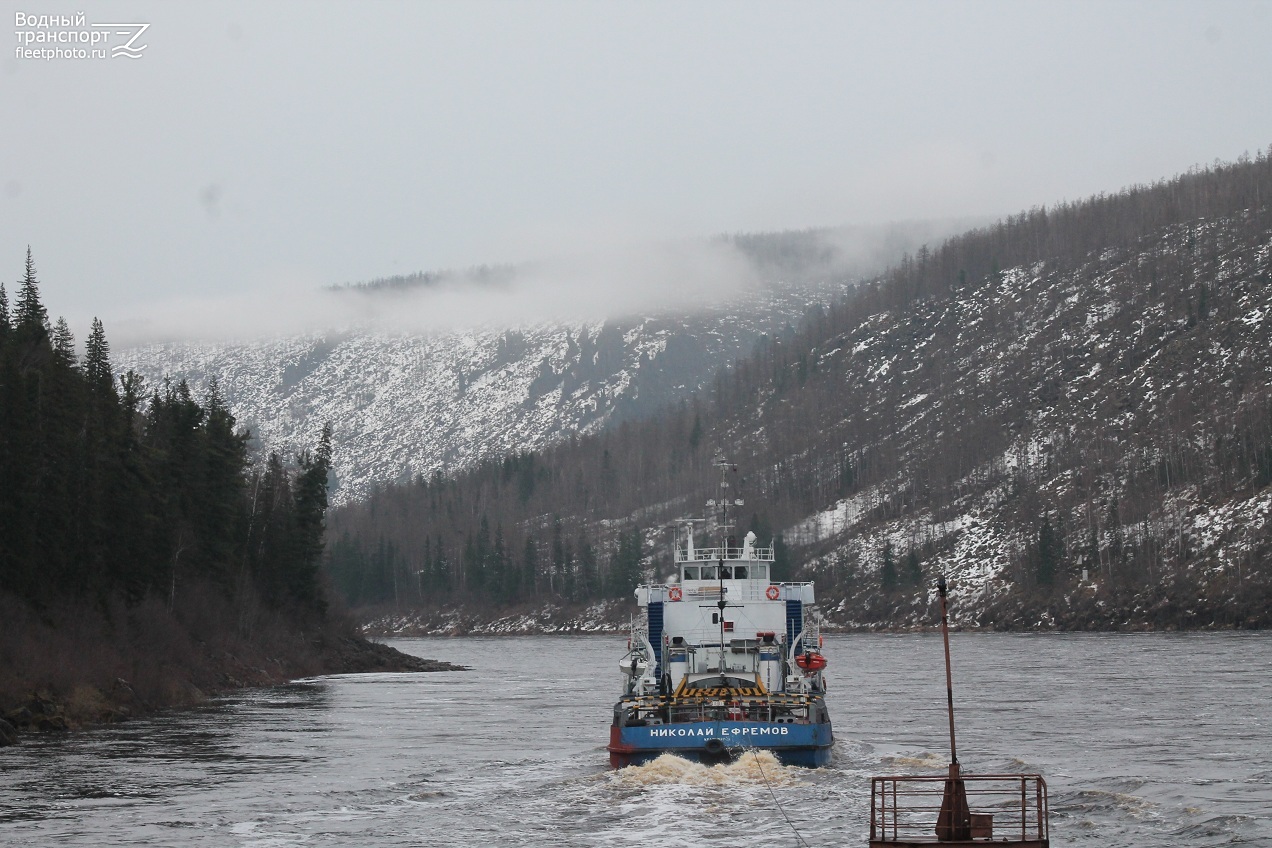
(925, 760)
(754, 768)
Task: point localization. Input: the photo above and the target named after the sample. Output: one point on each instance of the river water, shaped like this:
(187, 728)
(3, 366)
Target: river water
(1145, 740)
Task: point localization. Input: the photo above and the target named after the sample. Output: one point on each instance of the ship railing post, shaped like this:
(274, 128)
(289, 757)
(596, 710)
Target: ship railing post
(1039, 796)
(894, 811)
(1024, 810)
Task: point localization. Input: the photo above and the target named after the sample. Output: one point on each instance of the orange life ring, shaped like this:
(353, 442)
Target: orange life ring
(674, 593)
(772, 593)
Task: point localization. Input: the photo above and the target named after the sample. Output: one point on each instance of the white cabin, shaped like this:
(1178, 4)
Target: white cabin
(750, 643)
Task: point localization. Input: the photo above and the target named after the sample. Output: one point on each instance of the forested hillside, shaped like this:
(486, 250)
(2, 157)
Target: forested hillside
(1078, 389)
(139, 547)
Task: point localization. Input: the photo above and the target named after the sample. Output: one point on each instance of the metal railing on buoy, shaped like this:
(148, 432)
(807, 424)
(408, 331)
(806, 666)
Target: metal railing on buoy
(958, 809)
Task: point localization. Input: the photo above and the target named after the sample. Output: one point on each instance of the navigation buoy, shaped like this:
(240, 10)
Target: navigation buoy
(903, 807)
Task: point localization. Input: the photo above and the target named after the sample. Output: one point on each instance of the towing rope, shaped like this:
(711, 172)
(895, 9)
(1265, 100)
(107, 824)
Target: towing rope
(773, 795)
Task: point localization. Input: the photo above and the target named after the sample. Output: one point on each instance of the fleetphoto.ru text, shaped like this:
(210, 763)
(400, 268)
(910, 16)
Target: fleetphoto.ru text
(50, 37)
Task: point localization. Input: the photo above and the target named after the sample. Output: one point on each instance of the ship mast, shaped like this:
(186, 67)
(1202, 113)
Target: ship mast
(723, 551)
(725, 466)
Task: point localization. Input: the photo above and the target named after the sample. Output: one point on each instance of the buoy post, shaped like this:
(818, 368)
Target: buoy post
(955, 819)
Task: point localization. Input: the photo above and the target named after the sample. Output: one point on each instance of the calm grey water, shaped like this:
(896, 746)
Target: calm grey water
(1145, 740)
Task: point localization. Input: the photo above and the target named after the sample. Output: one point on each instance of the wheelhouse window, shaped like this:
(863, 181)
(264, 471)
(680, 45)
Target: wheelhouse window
(708, 573)
(739, 572)
(691, 572)
(759, 572)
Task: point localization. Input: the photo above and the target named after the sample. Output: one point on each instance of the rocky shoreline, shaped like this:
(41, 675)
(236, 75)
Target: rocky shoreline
(1166, 607)
(526, 620)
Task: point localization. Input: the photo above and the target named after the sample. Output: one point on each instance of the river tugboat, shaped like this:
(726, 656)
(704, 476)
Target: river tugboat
(723, 660)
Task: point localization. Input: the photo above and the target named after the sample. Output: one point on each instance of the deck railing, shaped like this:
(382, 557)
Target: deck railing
(1005, 808)
(735, 590)
(776, 708)
(715, 554)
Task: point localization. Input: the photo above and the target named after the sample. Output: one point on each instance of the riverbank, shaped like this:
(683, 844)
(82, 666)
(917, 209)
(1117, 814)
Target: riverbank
(74, 667)
(1175, 603)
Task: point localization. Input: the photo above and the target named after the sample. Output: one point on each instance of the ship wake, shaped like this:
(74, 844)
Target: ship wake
(755, 767)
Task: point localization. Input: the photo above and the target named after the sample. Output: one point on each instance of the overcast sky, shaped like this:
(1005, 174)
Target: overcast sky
(281, 146)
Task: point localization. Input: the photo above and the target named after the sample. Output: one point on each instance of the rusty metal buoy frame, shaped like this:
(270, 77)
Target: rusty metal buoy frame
(1013, 807)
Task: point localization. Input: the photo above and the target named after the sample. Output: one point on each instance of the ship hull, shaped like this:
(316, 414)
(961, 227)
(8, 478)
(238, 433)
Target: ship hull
(711, 742)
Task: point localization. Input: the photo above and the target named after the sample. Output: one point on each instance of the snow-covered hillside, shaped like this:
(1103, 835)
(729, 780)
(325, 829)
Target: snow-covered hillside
(410, 402)
(404, 405)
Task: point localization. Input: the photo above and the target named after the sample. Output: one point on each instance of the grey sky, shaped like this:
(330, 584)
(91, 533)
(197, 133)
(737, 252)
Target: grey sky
(277, 146)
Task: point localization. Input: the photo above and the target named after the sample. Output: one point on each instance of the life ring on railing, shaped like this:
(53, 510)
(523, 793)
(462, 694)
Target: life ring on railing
(674, 593)
(772, 593)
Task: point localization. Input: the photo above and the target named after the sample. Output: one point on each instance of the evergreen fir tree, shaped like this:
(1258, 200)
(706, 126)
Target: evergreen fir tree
(441, 566)
(467, 562)
(218, 498)
(695, 434)
(1050, 553)
(477, 559)
(625, 572)
(888, 569)
(30, 318)
(586, 577)
(557, 573)
(913, 571)
(344, 564)
(502, 579)
(530, 566)
(847, 474)
(19, 567)
(4, 315)
(270, 529)
(97, 368)
(63, 344)
(134, 387)
(310, 510)
(781, 560)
